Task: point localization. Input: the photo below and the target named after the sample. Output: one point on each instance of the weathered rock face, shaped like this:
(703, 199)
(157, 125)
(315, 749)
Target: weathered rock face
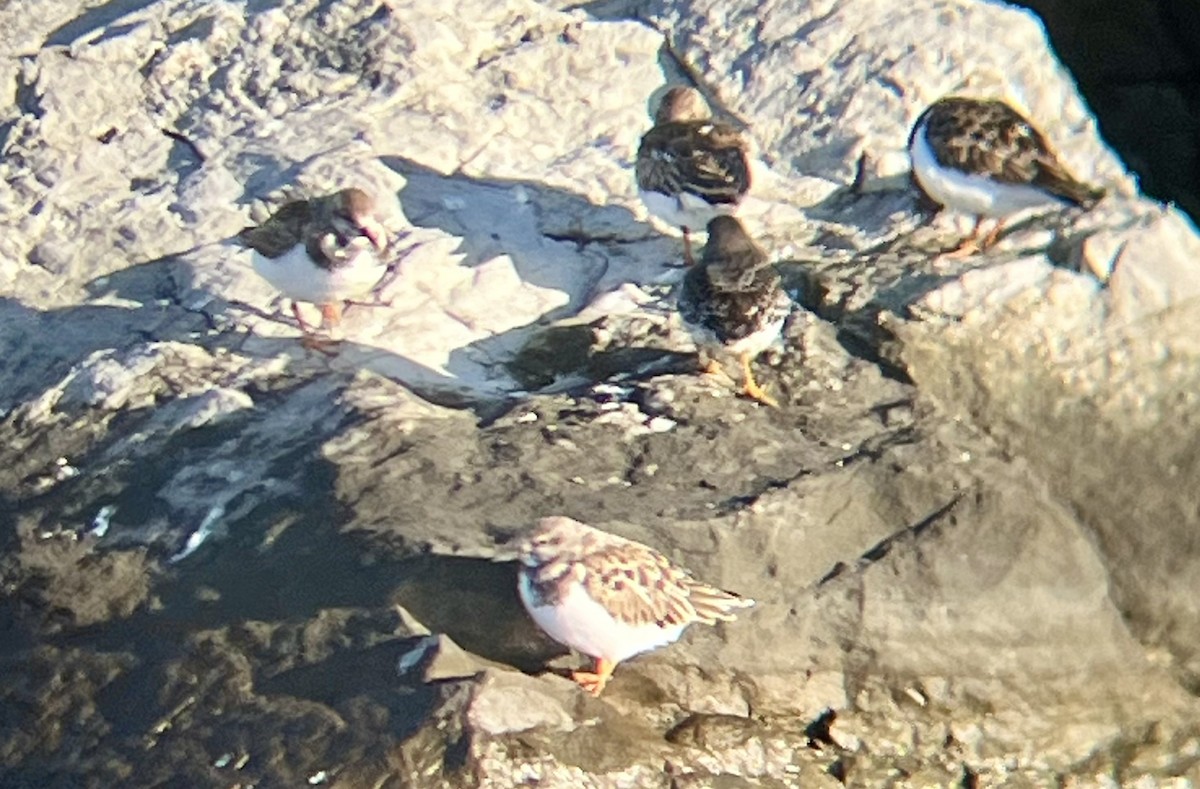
(969, 528)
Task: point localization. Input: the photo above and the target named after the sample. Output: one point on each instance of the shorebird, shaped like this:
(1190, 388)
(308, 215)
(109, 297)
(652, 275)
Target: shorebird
(611, 598)
(734, 302)
(982, 157)
(327, 251)
(691, 168)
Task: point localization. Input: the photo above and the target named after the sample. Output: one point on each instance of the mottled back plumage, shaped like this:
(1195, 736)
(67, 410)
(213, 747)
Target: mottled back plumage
(635, 583)
(990, 138)
(281, 231)
(344, 215)
(687, 151)
(702, 158)
(734, 291)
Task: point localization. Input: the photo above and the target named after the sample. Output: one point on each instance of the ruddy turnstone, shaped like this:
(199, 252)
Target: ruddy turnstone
(326, 251)
(611, 598)
(982, 157)
(691, 168)
(734, 302)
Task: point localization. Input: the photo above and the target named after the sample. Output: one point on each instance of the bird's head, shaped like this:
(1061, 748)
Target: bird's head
(354, 216)
(549, 539)
(682, 104)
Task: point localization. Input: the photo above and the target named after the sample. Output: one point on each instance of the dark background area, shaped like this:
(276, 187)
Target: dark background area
(1137, 63)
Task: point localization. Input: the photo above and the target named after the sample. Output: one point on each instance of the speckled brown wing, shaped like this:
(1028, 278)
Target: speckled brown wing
(735, 291)
(702, 158)
(638, 585)
(282, 231)
(732, 308)
(990, 138)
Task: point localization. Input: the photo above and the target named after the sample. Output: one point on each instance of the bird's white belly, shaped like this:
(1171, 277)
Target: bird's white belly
(684, 210)
(581, 623)
(296, 276)
(971, 194)
(757, 342)
(753, 344)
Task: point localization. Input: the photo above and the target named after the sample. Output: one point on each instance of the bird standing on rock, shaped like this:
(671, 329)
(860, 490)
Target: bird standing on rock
(611, 598)
(734, 301)
(326, 251)
(984, 158)
(691, 168)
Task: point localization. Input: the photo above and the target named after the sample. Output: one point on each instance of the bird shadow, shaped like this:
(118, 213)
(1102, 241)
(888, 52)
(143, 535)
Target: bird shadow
(555, 238)
(558, 244)
(92, 20)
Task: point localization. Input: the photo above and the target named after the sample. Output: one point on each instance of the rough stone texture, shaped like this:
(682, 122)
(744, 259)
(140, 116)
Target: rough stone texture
(844, 79)
(226, 561)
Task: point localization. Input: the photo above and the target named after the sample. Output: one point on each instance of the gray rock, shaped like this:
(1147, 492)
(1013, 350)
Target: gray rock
(227, 560)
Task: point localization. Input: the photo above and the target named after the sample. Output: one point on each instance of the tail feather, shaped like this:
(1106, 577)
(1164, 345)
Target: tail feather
(716, 605)
(1058, 182)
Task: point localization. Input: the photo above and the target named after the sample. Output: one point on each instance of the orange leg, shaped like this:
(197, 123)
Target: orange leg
(310, 340)
(713, 367)
(969, 245)
(594, 681)
(751, 388)
(331, 314)
(991, 238)
(348, 303)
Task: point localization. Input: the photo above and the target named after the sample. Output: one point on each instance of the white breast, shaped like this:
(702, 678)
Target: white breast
(753, 344)
(581, 623)
(684, 210)
(757, 342)
(296, 276)
(971, 194)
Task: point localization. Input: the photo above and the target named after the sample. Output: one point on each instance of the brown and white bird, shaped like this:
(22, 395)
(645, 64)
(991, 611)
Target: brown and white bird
(734, 302)
(611, 598)
(326, 251)
(984, 158)
(691, 168)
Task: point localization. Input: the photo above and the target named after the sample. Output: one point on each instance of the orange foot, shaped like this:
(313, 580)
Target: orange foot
(594, 682)
(319, 344)
(991, 238)
(968, 246)
(309, 339)
(972, 244)
(376, 302)
(751, 388)
(966, 249)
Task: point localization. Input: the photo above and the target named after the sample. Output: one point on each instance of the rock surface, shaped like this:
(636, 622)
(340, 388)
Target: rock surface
(229, 561)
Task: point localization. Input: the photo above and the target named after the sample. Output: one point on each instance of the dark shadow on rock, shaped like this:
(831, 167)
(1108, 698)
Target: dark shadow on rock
(608, 10)
(872, 212)
(364, 678)
(92, 20)
(213, 324)
(41, 346)
(831, 291)
(497, 217)
(565, 358)
(287, 606)
(475, 602)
